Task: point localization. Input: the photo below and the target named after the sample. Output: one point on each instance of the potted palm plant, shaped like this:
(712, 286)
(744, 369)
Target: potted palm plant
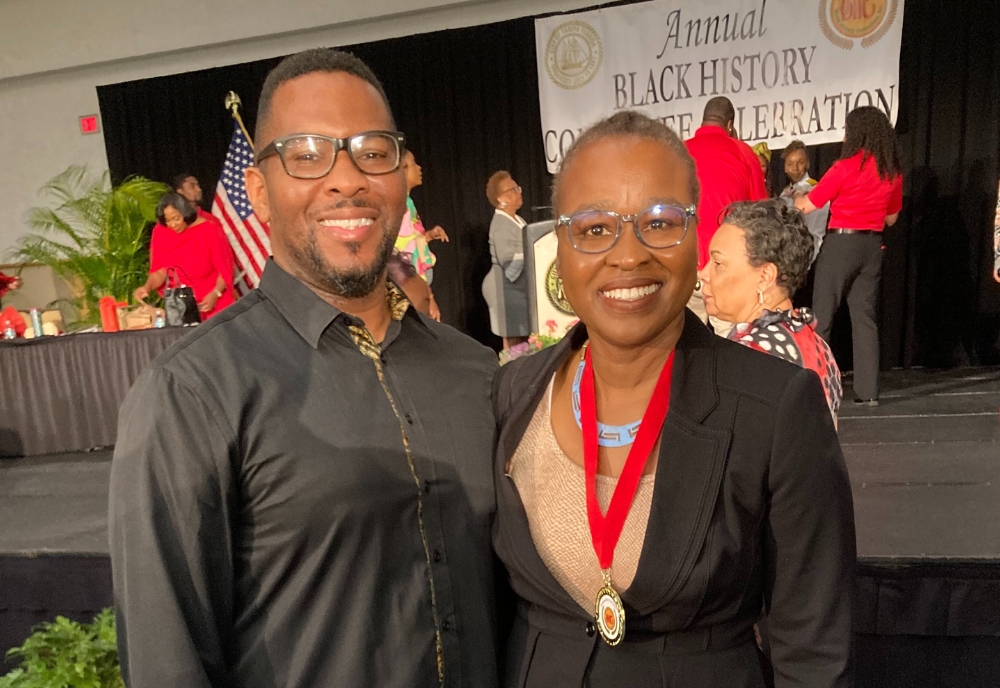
(93, 235)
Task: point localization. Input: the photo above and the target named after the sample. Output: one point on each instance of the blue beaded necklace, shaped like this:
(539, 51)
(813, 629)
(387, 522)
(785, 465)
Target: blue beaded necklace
(607, 435)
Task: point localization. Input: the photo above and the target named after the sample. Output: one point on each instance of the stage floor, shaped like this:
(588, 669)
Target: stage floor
(924, 465)
(925, 468)
(55, 504)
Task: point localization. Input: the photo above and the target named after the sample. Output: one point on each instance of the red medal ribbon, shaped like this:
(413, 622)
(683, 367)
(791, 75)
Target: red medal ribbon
(606, 530)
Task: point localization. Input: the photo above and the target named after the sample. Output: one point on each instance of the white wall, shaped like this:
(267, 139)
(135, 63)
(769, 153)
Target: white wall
(54, 53)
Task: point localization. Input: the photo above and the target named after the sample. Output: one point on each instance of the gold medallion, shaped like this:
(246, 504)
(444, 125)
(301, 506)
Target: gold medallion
(610, 613)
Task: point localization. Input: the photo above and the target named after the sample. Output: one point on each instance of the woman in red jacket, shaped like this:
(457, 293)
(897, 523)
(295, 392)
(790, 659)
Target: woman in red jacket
(865, 192)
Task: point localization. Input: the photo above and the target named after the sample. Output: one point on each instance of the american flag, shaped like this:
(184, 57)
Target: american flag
(249, 237)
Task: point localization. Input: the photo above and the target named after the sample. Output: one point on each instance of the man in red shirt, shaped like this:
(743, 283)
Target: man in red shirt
(728, 171)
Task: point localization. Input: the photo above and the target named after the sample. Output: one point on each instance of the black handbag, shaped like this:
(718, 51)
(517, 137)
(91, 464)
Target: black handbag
(179, 302)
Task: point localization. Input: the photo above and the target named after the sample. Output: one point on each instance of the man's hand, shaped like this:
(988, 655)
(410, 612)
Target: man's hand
(16, 284)
(437, 234)
(142, 293)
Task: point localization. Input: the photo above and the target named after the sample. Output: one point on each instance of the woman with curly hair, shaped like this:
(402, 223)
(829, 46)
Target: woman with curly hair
(757, 261)
(865, 192)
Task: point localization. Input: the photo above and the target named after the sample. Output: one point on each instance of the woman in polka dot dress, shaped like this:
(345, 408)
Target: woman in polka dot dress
(758, 258)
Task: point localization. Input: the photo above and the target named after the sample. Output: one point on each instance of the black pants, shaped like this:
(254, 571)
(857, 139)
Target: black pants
(851, 265)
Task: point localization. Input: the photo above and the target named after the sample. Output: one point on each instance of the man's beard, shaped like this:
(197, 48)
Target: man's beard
(349, 284)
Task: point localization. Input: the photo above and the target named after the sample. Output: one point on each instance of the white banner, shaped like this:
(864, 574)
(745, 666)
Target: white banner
(793, 68)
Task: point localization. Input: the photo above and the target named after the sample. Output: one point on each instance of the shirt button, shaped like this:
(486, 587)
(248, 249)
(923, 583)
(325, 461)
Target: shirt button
(409, 418)
(427, 486)
(437, 557)
(591, 630)
(383, 359)
(446, 626)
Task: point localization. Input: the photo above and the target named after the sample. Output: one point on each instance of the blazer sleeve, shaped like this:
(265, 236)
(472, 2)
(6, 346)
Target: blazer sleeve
(810, 549)
(506, 236)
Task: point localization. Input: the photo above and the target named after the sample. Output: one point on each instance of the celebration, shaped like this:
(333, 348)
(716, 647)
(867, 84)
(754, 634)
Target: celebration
(644, 344)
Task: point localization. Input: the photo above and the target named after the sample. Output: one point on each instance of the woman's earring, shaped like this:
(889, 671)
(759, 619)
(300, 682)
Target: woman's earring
(760, 297)
(503, 204)
(697, 284)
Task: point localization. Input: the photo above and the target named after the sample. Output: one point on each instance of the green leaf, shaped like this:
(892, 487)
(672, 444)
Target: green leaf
(67, 654)
(93, 234)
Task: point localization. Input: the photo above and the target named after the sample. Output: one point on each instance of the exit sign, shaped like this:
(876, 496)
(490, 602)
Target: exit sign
(89, 124)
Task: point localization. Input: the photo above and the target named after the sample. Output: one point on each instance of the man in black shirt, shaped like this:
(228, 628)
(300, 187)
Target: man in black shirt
(301, 494)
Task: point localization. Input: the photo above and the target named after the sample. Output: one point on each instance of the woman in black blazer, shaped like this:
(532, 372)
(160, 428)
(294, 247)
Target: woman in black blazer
(738, 501)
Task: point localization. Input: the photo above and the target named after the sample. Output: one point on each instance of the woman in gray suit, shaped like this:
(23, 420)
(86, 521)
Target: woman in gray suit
(506, 286)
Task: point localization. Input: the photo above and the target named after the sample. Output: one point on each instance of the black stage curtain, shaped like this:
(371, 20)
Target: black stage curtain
(468, 102)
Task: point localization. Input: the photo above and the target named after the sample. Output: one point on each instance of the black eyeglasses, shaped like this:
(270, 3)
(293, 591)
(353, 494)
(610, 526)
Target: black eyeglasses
(311, 156)
(658, 227)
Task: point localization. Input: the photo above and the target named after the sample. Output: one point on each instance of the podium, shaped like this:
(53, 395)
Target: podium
(546, 301)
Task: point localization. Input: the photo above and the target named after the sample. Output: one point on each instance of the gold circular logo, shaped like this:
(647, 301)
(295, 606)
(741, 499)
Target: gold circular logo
(554, 290)
(844, 21)
(857, 18)
(573, 55)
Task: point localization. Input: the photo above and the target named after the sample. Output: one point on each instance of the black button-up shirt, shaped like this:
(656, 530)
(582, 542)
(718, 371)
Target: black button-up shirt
(294, 505)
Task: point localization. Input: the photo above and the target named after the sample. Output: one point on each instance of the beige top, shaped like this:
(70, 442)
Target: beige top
(554, 493)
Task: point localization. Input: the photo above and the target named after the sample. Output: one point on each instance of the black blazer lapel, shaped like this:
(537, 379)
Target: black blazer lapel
(688, 475)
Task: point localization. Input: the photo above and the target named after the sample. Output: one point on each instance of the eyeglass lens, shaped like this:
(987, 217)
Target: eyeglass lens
(661, 226)
(311, 157)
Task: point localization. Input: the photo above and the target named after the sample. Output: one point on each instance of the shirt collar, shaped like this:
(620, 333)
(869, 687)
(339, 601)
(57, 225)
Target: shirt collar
(711, 130)
(308, 314)
(517, 219)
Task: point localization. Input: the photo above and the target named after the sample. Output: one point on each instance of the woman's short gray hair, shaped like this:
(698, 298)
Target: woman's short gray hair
(775, 234)
(628, 123)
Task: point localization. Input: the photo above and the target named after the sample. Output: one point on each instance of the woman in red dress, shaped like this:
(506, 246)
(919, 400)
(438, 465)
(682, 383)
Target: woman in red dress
(197, 248)
(865, 192)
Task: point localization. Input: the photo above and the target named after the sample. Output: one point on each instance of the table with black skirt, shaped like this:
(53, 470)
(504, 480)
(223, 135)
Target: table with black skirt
(61, 394)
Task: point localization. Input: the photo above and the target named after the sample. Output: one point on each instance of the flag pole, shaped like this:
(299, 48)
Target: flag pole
(233, 104)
